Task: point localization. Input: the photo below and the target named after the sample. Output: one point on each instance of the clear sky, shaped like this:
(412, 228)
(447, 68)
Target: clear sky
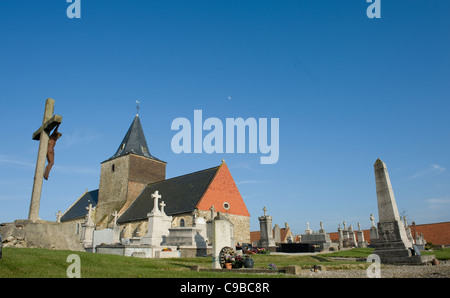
(346, 90)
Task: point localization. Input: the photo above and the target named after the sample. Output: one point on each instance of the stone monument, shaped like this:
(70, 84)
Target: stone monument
(373, 231)
(152, 245)
(360, 236)
(308, 231)
(265, 223)
(341, 237)
(393, 245)
(321, 238)
(408, 230)
(345, 235)
(222, 234)
(87, 229)
(352, 237)
(158, 223)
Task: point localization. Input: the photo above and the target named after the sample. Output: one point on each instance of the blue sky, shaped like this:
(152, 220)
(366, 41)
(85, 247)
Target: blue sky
(346, 89)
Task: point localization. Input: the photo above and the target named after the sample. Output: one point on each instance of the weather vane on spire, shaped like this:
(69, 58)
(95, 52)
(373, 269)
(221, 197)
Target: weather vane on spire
(137, 107)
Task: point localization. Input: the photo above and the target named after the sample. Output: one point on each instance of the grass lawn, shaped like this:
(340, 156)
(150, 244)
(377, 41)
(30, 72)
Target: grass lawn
(441, 254)
(43, 263)
(28, 262)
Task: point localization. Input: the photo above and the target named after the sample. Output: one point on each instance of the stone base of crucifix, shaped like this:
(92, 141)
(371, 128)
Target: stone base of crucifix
(41, 234)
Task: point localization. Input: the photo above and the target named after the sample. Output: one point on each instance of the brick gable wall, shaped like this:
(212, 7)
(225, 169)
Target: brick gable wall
(223, 189)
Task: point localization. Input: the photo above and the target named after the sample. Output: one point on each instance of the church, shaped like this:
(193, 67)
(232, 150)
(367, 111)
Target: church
(132, 174)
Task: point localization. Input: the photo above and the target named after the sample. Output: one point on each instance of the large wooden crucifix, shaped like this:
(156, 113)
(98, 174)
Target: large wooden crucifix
(49, 122)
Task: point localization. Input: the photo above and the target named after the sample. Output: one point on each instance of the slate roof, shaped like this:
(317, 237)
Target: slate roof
(134, 142)
(180, 194)
(78, 209)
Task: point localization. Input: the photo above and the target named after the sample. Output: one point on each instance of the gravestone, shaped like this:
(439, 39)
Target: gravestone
(223, 236)
(209, 226)
(191, 241)
(373, 231)
(408, 230)
(345, 236)
(277, 233)
(87, 229)
(308, 231)
(393, 245)
(107, 236)
(320, 238)
(152, 245)
(322, 230)
(341, 237)
(265, 223)
(352, 237)
(158, 223)
(200, 222)
(104, 236)
(420, 241)
(58, 216)
(360, 235)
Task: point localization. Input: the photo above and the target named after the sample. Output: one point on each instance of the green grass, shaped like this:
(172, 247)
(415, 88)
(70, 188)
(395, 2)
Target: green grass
(441, 254)
(43, 263)
(352, 253)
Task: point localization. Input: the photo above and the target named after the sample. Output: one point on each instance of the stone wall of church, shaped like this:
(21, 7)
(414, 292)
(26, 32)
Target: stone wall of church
(122, 180)
(145, 170)
(113, 188)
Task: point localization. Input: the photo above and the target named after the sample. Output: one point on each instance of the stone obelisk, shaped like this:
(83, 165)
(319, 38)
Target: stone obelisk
(393, 245)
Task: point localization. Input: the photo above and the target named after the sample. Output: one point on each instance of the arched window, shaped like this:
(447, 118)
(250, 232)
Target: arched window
(182, 222)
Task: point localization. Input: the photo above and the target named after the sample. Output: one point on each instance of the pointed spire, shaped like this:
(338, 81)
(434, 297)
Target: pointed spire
(134, 142)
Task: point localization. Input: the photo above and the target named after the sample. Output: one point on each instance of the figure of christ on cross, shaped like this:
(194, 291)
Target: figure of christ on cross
(51, 151)
(42, 135)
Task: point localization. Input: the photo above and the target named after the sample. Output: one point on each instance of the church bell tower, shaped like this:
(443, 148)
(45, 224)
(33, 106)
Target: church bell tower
(126, 173)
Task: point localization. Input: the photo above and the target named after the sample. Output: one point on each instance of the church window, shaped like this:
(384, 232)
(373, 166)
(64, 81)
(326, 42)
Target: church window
(144, 149)
(182, 222)
(122, 146)
(113, 168)
(226, 205)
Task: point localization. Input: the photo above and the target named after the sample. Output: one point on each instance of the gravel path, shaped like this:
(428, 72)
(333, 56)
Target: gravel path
(387, 271)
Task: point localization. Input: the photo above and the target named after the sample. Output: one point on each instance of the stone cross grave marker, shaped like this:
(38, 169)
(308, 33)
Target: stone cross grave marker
(89, 215)
(162, 204)
(49, 122)
(156, 196)
(372, 219)
(212, 212)
(58, 216)
(116, 215)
